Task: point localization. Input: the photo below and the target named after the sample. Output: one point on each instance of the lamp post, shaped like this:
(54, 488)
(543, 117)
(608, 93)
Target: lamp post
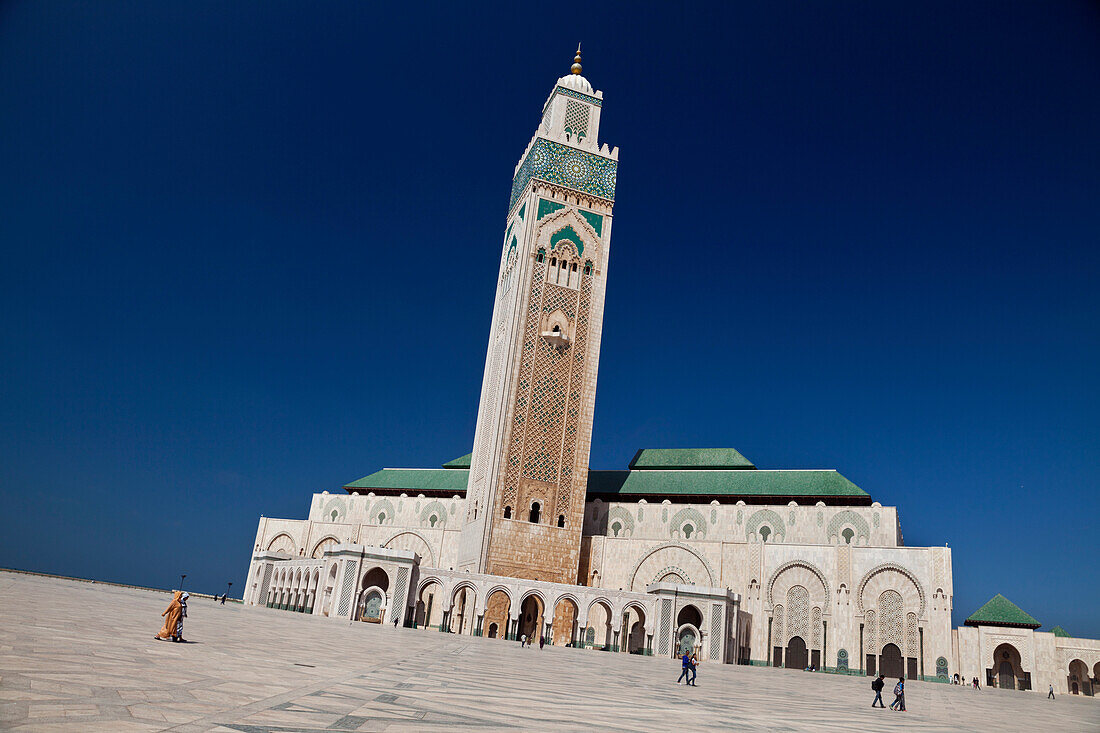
(230, 585)
(182, 576)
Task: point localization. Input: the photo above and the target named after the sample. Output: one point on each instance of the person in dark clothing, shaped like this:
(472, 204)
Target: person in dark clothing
(542, 642)
(685, 672)
(899, 696)
(877, 685)
(1051, 695)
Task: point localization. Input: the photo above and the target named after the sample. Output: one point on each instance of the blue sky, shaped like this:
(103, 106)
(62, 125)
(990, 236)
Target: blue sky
(248, 250)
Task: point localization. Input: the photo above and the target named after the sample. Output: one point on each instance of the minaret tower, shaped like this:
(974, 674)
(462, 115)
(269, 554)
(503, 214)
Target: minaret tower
(529, 469)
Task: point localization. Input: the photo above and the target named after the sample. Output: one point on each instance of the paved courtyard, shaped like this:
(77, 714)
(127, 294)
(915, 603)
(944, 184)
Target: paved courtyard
(81, 657)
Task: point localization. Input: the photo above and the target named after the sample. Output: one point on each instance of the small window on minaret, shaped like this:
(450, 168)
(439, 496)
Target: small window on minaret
(507, 512)
(535, 512)
(561, 520)
(553, 261)
(541, 256)
(588, 268)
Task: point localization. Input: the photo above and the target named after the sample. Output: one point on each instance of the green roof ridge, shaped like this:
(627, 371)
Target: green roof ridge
(1059, 631)
(999, 611)
(460, 462)
(689, 458)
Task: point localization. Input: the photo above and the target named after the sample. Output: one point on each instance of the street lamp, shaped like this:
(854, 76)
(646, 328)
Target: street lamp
(228, 587)
(182, 576)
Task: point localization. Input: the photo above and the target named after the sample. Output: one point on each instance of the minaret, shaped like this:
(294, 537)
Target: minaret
(529, 469)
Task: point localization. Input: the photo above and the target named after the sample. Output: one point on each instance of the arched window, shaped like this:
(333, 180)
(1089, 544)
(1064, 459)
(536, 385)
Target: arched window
(561, 520)
(848, 534)
(507, 512)
(432, 520)
(381, 517)
(588, 267)
(535, 511)
(541, 256)
(688, 529)
(765, 530)
(616, 527)
(553, 261)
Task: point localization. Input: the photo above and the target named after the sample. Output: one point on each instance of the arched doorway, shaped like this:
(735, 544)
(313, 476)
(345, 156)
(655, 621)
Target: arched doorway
(531, 618)
(329, 598)
(429, 606)
(1079, 678)
(497, 607)
(462, 610)
(633, 630)
(796, 656)
(890, 662)
(688, 623)
(494, 631)
(372, 607)
(565, 620)
(1007, 669)
(598, 634)
(686, 640)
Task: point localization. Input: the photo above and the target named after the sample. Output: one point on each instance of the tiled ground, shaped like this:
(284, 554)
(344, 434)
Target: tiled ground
(81, 657)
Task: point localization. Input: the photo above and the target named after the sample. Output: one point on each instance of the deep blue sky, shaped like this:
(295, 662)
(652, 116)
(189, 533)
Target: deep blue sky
(248, 251)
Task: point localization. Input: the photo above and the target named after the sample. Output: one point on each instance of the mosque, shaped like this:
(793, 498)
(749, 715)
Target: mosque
(684, 549)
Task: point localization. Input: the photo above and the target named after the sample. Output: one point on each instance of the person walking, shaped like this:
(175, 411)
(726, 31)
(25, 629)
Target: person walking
(877, 685)
(542, 642)
(694, 668)
(685, 671)
(172, 619)
(1050, 695)
(899, 696)
(522, 640)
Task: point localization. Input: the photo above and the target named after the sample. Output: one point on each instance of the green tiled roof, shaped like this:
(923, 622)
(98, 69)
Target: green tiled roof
(1059, 631)
(415, 479)
(723, 483)
(687, 458)
(999, 611)
(463, 462)
(608, 484)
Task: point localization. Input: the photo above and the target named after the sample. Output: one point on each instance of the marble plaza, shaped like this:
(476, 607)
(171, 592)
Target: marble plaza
(77, 656)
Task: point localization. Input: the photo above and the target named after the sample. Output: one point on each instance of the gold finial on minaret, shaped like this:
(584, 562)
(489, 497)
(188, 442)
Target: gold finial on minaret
(576, 69)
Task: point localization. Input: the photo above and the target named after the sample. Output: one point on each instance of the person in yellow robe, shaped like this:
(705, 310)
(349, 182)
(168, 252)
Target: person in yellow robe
(173, 618)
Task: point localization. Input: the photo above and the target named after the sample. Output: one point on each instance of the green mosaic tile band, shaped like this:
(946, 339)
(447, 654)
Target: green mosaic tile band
(566, 91)
(566, 166)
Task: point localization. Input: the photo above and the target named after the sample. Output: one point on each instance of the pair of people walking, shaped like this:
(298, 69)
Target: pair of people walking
(690, 665)
(899, 693)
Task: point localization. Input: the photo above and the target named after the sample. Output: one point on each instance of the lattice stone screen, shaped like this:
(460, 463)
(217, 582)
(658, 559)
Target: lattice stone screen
(815, 622)
(798, 612)
(400, 592)
(576, 118)
(890, 611)
(666, 622)
(265, 584)
(716, 640)
(912, 639)
(346, 589)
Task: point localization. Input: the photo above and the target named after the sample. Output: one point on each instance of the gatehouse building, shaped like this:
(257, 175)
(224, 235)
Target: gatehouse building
(683, 549)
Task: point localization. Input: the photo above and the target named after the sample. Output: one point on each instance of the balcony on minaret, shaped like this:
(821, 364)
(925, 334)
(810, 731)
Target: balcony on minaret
(556, 337)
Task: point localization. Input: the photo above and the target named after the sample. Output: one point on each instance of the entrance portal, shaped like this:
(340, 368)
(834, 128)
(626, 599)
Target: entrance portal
(1006, 678)
(796, 654)
(890, 663)
(687, 640)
